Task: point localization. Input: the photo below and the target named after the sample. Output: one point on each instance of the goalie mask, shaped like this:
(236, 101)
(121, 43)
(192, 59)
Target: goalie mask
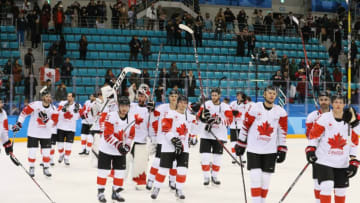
(144, 89)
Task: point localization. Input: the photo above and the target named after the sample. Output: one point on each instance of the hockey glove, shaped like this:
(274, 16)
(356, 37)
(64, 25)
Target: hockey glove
(204, 116)
(178, 145)
(352, 169)
(84, 116)
(195, 107)
(281, 154)
(64, 108)
(349, 116)
(235, 112)
(150, 106)
(193, 140)
(8, 147)
(16, 127)
(240, 148)
(124, 149)
(77, 108)
(310, 154)
(43, 116)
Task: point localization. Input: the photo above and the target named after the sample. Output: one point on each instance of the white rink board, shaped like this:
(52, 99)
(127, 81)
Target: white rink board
(77, 183)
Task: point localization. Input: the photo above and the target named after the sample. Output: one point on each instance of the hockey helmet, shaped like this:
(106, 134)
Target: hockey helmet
(324, 94)
(123, 100)
(144, 89)
(44, 91)
(182, 98)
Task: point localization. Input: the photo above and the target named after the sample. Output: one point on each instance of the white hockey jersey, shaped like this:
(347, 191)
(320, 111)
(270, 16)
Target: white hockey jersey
(67, 120)
(37, 128)
(141, 116)
(332, 142)
(264, 129)
(116, 132)
(175, 125)
(88, 113)
(238, 119)
(310, 120)
(225, 113)
(4, 127)
(160, 112)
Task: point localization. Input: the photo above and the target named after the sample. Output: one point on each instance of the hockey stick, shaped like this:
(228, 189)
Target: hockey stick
(295, 181)
(42, 190)
(221, 80)
(242, 170)
(156, 72)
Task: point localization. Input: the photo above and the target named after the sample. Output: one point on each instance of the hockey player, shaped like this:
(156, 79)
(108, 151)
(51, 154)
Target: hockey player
(324, 102)
(161, 112)
(43, 118)
(174, 146)
(332, 150)
(119, 132)
(238, 109)
(69, 113)
(219, 116)
(87, 116)
(4, 128)
(139, 152)
(264, 136)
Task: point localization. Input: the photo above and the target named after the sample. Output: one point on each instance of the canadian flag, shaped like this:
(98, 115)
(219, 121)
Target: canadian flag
(49, 74)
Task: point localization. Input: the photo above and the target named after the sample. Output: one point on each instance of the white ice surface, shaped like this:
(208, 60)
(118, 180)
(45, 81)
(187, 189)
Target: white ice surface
(77, 183)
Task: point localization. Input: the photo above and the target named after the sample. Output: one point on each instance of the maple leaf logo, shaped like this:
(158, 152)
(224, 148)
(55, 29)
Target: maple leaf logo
(265, 129)
(40, 122)
(119, 135)
(141, 179)
(182, 130)
(337, 142)
(68, 115)
(138, 119)
(155, 126)
(156, 113)
(49, 75)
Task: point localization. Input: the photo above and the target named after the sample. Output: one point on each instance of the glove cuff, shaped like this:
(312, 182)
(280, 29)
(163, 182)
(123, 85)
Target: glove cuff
(310, 149)
(282, 148)
(354, 124)
(241, 144)
(355, 163)
(7, 144)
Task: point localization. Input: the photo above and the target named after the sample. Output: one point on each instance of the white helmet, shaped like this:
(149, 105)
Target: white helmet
(144, 89)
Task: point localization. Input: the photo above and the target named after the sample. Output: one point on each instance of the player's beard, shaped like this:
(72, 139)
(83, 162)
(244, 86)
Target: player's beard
(1, 109)
(269, 102)
(324, 106)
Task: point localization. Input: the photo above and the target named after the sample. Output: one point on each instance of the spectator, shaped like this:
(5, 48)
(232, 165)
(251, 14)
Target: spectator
(183, 79)
(145, 77)
(257, 21)
(20, 27)
(7, 67)
(263, 56)
(58, 61)
(29, 63)
(91, 13)
(302, 64)
(100, 23)
(164, 78)
(198, 27)
(208, 23)
(161, 15)
(159, 92)
(132, 17)
(135, 47)
(293, 69)
(109, 77)
(188, 37)
(240, 39)
(17, 73)
(101, 10)
(334, 53)
(277, 79)
(268, 21)
(301, 89)
(44, 21)
(191, 84)
(146, 48)
(114, 16)
(61, 92)
(170, 34)
(279, 25)
(174, 75)
(251, 43)
(219, 25)
(62, 45)
(123, 15)
(83, 17)
(306, 30)
(178, 32)
(229, 19)
(28, 84)
(242, 20)
(66, 70)
(59, 19)
(284, 62)
(48, 86)
(151, 16)
(35, 32)
(83, 47)
(134, 79)
(337, 75)
(354, 51)
(46, 7)
(273, 56)
(289, 22)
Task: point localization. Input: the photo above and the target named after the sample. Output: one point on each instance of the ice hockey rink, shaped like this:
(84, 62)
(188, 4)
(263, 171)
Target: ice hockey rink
(77, 183)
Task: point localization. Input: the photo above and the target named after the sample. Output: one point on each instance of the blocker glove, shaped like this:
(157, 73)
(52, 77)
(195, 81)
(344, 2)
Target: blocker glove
(77, 108)
(349, 116)
(178, 145)
(310, 154)
(123, 149)
(240, 147)
(16, 127)
(352, 169)
(204, 116)
(8, 147)
(281, 154)
(43, 116)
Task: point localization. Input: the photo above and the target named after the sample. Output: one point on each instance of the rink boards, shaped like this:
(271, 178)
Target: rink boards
(296, 128)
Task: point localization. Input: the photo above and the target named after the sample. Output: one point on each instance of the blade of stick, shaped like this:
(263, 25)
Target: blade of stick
(186, 28)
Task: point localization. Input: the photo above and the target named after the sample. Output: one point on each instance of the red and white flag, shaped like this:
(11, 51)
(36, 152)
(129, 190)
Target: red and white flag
(49, 74)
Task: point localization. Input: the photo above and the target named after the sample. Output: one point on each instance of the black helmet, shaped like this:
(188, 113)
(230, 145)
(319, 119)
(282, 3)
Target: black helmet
(174, 92)
(324, 94)
(216, 89)
(44, 91)
(182, 98)
(123, 100)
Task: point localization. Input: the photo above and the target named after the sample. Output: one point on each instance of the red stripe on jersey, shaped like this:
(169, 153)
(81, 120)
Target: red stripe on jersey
(339, 199)
(205, 167)
(354, 138)
(215, 168)
(118, 182)
(132, 132)
(283, 121)
(46, 159)
(31, 160)
(67, 152)
(6, 124)
(229, 116)
(60, 107)
(155, 126)
(325, 198)
(28, 110)
(109, 128)
(153, 171)
(160, 178)
(181, 178)
(255, 192)
(308, 129)
(200, 111)
(119, 136)
(317, 194)
(316, 131)
(264, 193)
(102, 117)
(173, 172)
(248, 121)
(101, 181)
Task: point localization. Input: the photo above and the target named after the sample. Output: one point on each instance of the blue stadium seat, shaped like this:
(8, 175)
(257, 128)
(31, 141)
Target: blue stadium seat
(92, 72)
